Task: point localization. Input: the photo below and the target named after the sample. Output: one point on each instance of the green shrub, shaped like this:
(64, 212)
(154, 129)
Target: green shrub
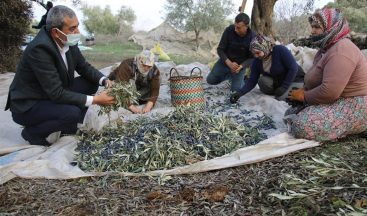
(15, 18)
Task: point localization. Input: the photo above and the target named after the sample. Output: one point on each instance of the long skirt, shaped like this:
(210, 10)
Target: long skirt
(327, 122)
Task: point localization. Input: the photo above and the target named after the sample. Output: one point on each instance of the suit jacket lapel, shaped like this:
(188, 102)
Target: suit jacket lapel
(70, 71)
(64, 68)
(69, 59)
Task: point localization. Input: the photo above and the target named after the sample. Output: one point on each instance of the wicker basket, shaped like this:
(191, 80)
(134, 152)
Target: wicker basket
(187, 90)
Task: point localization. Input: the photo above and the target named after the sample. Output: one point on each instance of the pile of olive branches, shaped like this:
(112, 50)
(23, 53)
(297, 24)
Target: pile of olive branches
(125, 93)
(182, 137)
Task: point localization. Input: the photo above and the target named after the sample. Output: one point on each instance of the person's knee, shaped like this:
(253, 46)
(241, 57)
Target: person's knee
(236, 84)
(311, 130)
(72, 114)
(94, 89)
(266, 85)
(218, 74)
(84, 86)
(297, 129)
(211, 80)
(90, 88)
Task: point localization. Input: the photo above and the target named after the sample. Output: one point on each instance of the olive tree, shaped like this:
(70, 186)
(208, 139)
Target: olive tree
(263, 13)
(198, 15)
(15, 19)
(355, 11)
(126, 18)
(103, 21)
(291, 19)
(100, 21)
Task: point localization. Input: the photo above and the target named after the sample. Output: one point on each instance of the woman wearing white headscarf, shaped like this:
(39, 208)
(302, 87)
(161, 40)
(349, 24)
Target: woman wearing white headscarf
(142, 70)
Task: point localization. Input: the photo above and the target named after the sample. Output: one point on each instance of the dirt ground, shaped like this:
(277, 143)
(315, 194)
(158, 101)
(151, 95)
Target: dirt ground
(326, 180)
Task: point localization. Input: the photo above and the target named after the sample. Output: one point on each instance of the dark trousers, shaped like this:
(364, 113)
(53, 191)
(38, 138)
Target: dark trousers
(46, 117)
(268, 84)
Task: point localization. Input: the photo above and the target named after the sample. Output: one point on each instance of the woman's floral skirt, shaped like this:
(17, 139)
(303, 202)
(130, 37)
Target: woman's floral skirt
(326, 122)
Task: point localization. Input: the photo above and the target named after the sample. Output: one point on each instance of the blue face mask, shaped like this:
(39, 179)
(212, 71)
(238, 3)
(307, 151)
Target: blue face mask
(71, 39)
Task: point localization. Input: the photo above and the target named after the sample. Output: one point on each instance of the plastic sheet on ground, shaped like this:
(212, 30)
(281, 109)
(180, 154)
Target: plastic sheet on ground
(303, 55)
(19, 159)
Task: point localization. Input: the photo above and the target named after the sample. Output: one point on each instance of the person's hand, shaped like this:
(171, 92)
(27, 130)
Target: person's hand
(103, 99)
(279, 91)
(297, 95)
(239, 68)
(109, 83)
(135, 109)
(232, 65)
(234, 97)
(292, 103)
(148, 107)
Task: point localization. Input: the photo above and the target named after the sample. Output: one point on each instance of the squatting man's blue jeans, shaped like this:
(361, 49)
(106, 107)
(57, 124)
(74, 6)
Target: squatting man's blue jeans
(222, 72)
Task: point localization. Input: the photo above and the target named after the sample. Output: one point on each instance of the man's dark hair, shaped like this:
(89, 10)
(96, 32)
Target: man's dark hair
(242, 17)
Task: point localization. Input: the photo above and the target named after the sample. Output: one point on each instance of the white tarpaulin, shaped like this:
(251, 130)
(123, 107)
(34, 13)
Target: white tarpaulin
(18, 158)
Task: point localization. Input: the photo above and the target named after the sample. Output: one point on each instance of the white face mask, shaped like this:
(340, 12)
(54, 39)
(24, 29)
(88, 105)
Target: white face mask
(72, 39)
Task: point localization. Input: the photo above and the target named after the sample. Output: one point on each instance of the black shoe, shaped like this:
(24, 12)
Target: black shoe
(34, 140)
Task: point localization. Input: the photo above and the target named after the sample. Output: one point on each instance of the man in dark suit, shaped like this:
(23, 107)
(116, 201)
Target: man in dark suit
(44, 96)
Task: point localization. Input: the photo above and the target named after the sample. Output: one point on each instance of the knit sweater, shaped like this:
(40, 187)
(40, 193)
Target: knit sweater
(283, 68)
(341, 71)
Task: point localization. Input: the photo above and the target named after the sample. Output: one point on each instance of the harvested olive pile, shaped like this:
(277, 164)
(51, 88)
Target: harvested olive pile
(180, 138)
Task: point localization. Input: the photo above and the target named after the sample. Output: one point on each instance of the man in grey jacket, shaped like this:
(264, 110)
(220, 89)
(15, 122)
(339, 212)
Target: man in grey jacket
(44, 96)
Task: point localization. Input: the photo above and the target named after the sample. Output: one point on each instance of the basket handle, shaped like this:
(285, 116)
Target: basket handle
(194, 69)
(170, 72)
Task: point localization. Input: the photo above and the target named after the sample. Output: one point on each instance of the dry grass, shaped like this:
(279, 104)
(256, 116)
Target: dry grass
(244, 190)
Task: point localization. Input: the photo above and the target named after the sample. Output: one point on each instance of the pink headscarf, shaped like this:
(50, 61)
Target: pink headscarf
(335, 26)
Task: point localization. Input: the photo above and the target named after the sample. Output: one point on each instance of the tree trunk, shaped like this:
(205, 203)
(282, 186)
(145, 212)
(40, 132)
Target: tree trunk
(197, 39)
(262, 17)
(242, 7)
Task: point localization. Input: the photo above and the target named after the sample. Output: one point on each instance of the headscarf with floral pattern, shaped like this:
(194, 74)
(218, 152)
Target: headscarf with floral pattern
(262, 43)
(334, 25)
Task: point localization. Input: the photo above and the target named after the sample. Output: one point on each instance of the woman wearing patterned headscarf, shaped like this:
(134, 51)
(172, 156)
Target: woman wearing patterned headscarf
(335, 90)
(274, 69)
(145, 75)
